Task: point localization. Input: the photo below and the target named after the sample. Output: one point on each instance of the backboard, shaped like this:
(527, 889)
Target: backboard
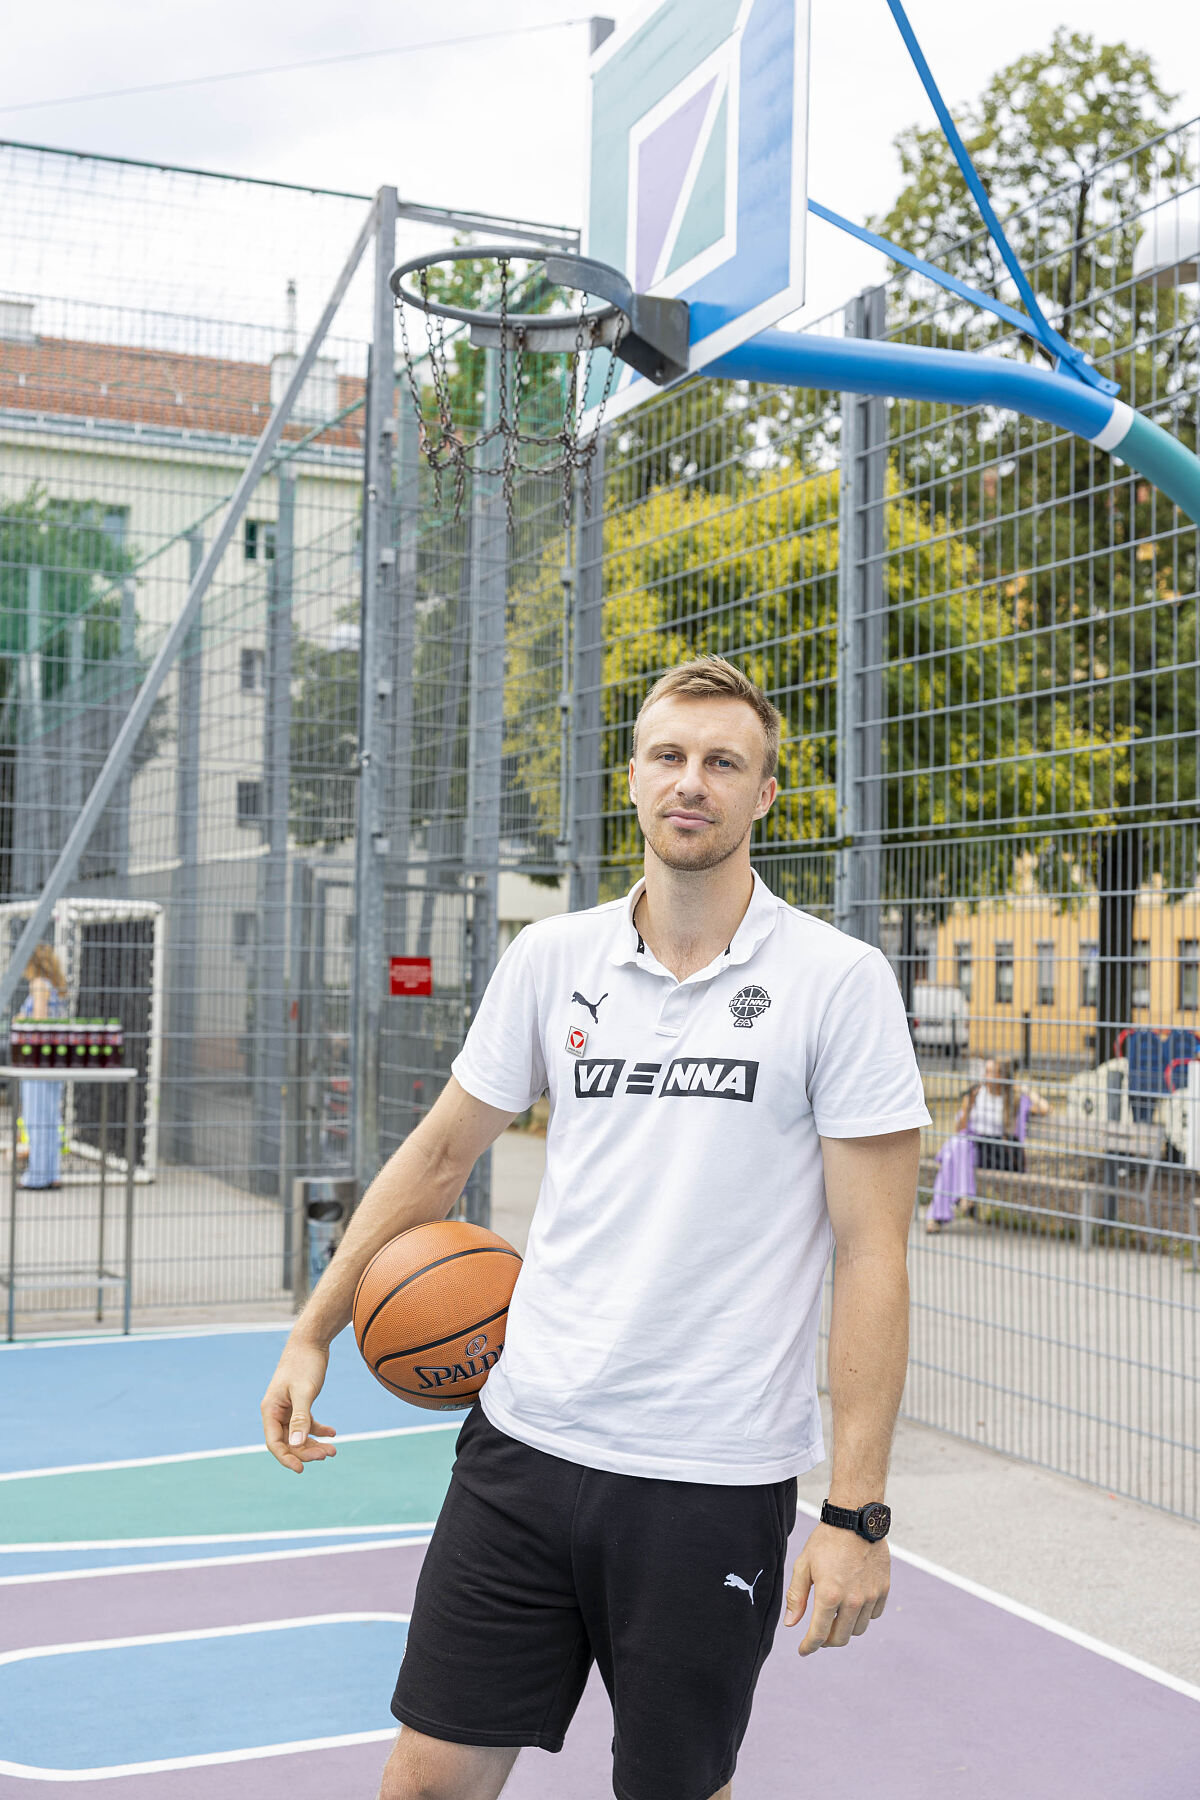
(698, 178)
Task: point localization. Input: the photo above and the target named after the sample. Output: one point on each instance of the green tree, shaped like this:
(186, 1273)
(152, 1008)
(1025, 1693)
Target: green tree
(692, 572)
(1070, 144)
(62, 580)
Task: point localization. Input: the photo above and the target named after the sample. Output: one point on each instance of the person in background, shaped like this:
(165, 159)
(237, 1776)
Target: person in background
(991, 1113)
(41, 1101)
(989, 1133)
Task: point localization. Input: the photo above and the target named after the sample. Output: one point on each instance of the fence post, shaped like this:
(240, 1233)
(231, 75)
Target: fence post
(183, 941)
(371, 842)
(30, 812)
(485, 744)
(127, 688)
(587, 682)
(861, 618)
(273, 1177)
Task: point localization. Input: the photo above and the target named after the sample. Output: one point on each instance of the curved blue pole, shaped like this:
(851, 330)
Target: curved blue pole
(963, 378)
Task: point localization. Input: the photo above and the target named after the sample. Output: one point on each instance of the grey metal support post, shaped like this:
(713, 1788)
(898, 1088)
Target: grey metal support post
(271, 1175)
(485, 745)
(371, 840)
(587, 681)
(861, 624)
(30, 815)
(406, 519)
(183, 940)
(126, 687)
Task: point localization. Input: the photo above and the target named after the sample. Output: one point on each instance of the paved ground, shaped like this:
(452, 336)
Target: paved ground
(1109, 1567)
(181, 1618)
(1055, 1544)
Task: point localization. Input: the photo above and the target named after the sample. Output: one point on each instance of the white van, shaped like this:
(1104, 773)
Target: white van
(939, 1018)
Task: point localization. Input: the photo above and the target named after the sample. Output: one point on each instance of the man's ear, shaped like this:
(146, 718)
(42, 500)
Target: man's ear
(632, 783)
(767, 798)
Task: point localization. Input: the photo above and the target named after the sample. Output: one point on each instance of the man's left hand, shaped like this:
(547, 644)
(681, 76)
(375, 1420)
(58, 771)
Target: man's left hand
(849, 1581)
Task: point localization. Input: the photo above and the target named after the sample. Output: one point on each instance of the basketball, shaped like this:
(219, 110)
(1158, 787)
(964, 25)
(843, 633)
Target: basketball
(430, 1310)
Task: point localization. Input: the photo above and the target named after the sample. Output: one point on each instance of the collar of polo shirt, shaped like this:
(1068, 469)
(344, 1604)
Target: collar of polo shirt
(758, 922)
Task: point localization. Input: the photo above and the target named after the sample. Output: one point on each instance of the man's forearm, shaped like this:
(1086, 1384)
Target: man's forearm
(420, 1182)
(868, 1357)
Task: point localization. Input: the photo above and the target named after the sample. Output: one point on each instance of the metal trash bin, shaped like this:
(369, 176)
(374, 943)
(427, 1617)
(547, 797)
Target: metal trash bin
(323, 1206)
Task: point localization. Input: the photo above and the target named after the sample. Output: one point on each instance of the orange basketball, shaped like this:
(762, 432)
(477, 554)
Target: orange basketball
(430, 1310)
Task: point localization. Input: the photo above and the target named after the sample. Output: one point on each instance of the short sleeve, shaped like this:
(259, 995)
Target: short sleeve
(501, 1061)
(865, 1080)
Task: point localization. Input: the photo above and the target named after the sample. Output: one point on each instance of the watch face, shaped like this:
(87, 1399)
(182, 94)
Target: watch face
(876, 1521)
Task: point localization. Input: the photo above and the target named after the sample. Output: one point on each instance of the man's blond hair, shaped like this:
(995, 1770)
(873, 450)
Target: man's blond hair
(711, 677)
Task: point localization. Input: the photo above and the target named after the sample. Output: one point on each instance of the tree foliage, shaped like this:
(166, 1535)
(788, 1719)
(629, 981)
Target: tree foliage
(689, 572)
(1072, 145)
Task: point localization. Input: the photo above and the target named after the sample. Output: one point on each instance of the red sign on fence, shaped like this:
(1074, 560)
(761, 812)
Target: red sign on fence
(411, 974)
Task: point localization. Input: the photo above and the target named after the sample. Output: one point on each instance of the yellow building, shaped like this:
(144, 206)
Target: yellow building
(1029, 969)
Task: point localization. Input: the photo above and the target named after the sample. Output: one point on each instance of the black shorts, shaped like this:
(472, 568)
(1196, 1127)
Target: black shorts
(538, 1567)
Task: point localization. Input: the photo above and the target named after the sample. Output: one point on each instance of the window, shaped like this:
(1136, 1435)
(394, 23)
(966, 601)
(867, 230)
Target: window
(963, 970)
(259, 540)
(249, 802)
(1004, 974)
(1045, 974)
(254, 671)
(1089, 974)
(245, 931)
(1189, 974)
(1139, 991)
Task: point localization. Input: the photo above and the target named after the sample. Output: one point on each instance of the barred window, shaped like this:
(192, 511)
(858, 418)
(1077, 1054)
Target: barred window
(249, 802)
(963, 969)
(1004, 974)
(1045, 974)
(1189, 974)
(1089, 974)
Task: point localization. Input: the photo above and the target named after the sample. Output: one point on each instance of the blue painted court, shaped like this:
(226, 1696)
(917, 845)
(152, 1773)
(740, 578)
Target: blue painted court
(174, 1606)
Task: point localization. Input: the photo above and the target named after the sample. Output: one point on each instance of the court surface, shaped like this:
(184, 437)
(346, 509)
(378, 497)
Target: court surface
(175, 1607)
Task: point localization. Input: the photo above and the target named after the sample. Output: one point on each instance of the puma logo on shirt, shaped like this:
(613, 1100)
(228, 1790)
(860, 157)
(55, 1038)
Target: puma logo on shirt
(746, 1587)
(592, 1006)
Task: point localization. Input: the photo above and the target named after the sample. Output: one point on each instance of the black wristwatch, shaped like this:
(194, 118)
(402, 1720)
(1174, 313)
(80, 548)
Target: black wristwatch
(872, 1522)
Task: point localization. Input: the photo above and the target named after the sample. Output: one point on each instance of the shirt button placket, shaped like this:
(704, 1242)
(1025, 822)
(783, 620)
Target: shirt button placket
(673, 1012)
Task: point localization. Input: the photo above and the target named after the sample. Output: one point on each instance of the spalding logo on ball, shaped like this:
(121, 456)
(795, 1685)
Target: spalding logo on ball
(430, 1310)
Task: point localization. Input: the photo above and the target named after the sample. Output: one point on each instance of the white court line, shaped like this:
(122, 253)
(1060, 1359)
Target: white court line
(183, 1456)
(143, 1337)
(31, 1772)
(216, 1537)
(1033, 1617)
(421, 1536)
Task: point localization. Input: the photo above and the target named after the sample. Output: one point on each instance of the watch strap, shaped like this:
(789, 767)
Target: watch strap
(872, 1521)
(845, 1516)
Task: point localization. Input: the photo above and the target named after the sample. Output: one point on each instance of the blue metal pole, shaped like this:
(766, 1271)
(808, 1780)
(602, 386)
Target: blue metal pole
(962, 378)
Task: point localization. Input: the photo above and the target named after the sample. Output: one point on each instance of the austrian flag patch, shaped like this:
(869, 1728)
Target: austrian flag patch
(576, 1041)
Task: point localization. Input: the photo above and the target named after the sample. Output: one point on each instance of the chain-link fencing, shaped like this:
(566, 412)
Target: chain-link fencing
(982, 636)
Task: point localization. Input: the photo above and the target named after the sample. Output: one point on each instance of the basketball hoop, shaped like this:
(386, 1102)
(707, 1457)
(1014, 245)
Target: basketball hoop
(650, 334)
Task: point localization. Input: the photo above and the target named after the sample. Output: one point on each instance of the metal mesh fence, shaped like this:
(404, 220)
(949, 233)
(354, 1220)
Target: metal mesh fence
(981, 634)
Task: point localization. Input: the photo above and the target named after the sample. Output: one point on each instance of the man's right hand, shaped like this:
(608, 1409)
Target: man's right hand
(293, 1435)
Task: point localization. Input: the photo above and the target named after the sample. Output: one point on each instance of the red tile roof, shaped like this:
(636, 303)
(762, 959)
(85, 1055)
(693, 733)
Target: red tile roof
(154, 387)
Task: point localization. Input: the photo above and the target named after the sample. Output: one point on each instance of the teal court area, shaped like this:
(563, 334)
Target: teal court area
(173, 1606)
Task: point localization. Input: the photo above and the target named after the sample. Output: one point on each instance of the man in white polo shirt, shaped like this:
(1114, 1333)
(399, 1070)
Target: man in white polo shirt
(732, 1091)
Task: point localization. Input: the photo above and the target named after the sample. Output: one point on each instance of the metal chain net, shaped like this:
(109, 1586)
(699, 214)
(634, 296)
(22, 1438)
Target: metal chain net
(446, 446)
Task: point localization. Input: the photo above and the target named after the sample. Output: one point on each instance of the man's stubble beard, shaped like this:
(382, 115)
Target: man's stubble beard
(709, 857)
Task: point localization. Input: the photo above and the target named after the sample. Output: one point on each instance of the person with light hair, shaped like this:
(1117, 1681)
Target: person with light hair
(41, 1101)
(733, 1090)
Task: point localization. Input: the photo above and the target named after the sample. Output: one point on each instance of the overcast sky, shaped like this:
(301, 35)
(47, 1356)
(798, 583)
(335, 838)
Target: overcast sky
(499, 125)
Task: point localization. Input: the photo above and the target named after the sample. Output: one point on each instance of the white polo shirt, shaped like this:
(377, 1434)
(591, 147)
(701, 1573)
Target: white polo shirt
(665, 1320)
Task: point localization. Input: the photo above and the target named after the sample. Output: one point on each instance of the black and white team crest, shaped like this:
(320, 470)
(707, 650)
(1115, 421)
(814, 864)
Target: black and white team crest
(748, 1004)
